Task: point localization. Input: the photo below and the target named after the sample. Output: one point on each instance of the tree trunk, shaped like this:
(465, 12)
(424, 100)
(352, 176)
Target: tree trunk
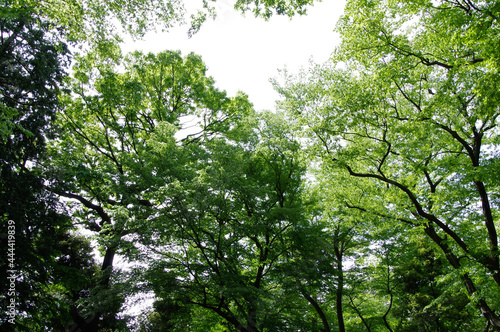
(489, 314)
(91, 324)
(314, 303)
(340, 293)
(339, 248)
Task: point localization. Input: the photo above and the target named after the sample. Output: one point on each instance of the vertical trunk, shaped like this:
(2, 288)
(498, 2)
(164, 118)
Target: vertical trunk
(389, 291)
(386, 323)
(91, 324)
(489, 314)
(252, 320)
(338, 247)
(107, 263)
(253, 299)
(340, 292)
(493, 262)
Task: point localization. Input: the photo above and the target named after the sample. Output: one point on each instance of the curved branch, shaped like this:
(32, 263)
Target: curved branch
(106, 219)
(314, 303)
(416, 204)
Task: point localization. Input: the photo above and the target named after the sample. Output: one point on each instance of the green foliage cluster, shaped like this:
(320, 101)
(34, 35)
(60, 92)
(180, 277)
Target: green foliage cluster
(368, 202)
(267, 8)
(404, 120)
(51, 263)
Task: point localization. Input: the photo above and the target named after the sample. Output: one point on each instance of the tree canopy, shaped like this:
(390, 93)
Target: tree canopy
(49, 260)
(367, 202)
(408, 112)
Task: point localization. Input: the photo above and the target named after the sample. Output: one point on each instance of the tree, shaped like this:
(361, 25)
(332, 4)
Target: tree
(410, 115)
(326, 259)
(225, 239)
(117, 148)
(33, 59)
(426, 299)
(44, 254)
(96, 23)
(34, 36)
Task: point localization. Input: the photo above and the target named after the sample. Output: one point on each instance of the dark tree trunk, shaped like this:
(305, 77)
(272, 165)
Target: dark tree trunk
(314, 303)
(340, 291)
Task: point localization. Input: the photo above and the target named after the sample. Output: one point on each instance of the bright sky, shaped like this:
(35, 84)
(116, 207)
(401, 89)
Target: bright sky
(243, 53)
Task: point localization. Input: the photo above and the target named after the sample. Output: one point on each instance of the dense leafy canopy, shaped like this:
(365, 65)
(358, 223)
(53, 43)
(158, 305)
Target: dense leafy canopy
(117, 152)
(49, 261)
(408, 113)
(232, 229)
(368, 202)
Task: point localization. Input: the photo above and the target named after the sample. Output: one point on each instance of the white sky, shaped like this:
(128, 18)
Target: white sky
(243, 53)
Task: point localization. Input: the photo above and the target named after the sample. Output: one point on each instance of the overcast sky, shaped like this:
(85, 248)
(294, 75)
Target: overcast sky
(243, 53)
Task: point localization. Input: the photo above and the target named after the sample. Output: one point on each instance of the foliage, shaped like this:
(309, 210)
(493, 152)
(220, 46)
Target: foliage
(381, 215)
(231, 230)
(94, 21)
(266, 8)
(408, 115)
(51, 264)
(425, 301)
(117, 150)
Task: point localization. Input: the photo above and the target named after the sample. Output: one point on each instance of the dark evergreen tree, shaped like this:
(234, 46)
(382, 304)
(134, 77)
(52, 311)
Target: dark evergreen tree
(41, 259)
